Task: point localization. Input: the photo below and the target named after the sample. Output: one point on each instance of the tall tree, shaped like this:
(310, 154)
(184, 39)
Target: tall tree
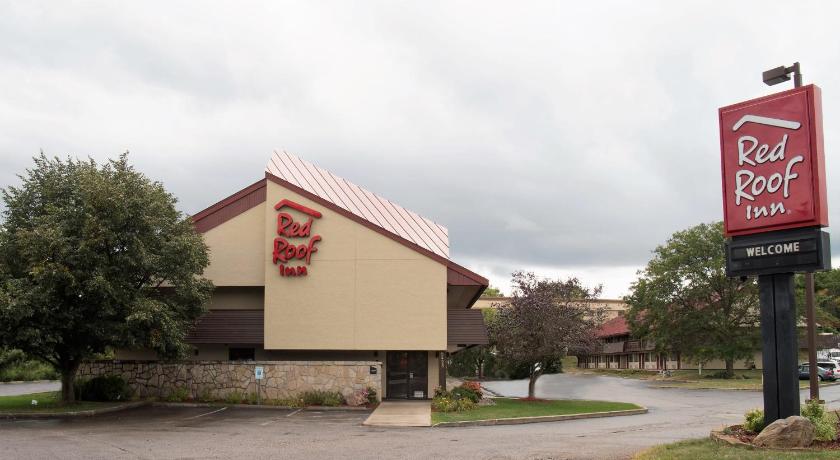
(685, 303)
(92, 257)
(492, 292)
(545, 321)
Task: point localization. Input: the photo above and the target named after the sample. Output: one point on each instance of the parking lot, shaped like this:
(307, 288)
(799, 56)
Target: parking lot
(215, 432)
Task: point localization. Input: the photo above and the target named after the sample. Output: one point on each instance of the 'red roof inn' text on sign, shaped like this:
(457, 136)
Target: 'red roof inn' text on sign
(295, 244)
(773, 163)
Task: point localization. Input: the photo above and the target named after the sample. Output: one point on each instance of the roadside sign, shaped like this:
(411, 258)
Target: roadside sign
(259, 372)
(773, 163)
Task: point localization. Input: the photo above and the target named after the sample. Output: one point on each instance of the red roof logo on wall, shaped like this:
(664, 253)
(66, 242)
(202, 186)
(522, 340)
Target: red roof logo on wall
(286, 252)
(298, 207)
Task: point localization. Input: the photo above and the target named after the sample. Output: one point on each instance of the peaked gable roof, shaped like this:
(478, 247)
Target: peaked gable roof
(362, 203)
(255, 194)
(613, 327)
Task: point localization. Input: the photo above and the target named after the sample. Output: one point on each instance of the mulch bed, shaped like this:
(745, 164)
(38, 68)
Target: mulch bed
(739, 432)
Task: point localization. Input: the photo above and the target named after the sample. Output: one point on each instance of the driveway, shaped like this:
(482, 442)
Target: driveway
(25, 388)
(163, 432)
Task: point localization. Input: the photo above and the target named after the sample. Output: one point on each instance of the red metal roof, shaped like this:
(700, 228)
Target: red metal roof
(363, 204)
(434, 242)
(613, 327)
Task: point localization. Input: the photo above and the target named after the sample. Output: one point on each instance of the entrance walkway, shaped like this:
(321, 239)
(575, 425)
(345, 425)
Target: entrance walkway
(401, 413)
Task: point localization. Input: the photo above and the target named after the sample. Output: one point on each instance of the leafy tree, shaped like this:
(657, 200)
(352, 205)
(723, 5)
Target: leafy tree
(544, 321)
(826, 299)
(492, 292)
(92, 257)
(685, 303)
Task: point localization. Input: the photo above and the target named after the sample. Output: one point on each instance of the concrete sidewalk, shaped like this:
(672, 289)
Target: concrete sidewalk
(401, 413)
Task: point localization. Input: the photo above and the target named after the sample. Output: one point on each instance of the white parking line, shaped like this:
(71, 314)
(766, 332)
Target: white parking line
(208, 413)
(295, 412)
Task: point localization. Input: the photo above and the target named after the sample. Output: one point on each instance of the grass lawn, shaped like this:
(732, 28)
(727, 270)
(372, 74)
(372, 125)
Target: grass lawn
(702, 449)
(511, 408)
(47, 402)
(690, 378)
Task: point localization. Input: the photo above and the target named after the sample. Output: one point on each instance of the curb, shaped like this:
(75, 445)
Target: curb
(262, 406)
(541, 419)
(81, 413)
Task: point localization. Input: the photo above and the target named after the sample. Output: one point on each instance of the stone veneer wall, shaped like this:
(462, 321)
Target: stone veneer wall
(217, 379)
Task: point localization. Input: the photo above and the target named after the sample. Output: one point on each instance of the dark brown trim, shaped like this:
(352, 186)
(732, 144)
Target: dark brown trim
(230, 207)
(465, 327)
(478, 279)
(229, 326)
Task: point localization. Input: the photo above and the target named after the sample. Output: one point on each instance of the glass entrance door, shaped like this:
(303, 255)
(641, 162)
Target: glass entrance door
(407, 375)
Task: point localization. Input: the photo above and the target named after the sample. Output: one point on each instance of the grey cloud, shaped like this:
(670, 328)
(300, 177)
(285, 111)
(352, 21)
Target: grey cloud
(547, 135)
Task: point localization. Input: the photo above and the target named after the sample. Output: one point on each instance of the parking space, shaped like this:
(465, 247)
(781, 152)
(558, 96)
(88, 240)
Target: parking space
(233, 432)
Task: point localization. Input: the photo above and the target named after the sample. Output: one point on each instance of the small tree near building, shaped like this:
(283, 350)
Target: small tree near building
(684, 301)
(94, 257)
(545, 321)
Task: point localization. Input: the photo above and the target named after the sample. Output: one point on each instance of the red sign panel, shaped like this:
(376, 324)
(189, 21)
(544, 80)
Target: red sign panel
(294, 244)
(773, 163)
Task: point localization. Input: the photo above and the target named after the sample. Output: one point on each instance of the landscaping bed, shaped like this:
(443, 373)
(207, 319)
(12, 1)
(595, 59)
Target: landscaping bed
(511, 408)
(738, 432)
(706, 449)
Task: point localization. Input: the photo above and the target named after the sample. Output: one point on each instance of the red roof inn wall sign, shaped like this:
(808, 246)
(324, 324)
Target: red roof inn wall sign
(774, 194)
(773, 163)
(294, 244)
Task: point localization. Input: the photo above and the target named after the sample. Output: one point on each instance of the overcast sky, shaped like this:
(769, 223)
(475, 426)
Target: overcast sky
(548, 136)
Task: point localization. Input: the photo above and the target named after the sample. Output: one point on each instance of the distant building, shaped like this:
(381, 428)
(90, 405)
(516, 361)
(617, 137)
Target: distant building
(620, 350)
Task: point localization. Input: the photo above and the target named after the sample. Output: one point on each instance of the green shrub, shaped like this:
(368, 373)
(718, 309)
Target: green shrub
(754, 421)
(462, 405)
(443, 403)
(465, 393)
(15, 366)
(104, 388)
(178, 395)
(322, 398)
(371, 395)
(234, 397)
(824, 427)
(450, 404)
(475, 387)
(206, 395)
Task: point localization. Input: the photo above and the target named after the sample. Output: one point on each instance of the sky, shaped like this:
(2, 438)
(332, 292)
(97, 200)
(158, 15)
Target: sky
(565, 138)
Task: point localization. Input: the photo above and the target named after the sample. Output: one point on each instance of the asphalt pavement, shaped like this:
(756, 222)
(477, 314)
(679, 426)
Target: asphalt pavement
(202, 432)
(25, 388)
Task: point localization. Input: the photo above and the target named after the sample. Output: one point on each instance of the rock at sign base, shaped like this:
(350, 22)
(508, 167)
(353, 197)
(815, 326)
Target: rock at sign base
(794, 431)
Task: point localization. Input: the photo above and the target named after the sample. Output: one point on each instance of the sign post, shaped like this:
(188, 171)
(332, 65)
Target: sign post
(774, 199)
(259, 374)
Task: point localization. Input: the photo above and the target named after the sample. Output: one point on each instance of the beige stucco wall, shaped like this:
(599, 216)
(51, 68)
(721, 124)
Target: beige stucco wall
(236, 250)
(363, 291)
